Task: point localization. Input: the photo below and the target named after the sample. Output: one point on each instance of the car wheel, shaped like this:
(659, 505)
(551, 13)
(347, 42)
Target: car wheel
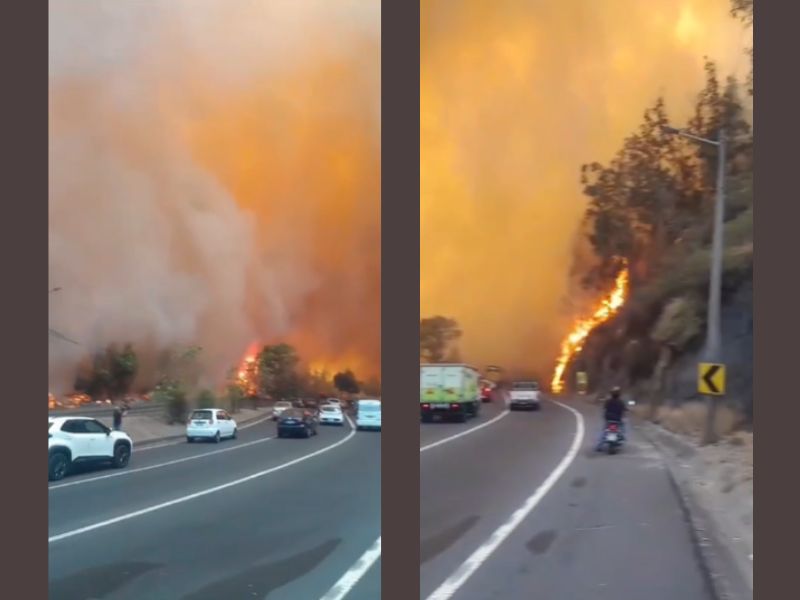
(235, 434)
(122, 456)
(58, 466)
(189, 440)
(217, 437)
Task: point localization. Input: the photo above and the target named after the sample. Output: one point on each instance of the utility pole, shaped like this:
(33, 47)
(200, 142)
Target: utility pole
(712, 352)
(713, 349)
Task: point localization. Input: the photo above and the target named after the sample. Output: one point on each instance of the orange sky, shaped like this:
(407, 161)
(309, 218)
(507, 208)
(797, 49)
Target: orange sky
(515, 96)
(215, 178)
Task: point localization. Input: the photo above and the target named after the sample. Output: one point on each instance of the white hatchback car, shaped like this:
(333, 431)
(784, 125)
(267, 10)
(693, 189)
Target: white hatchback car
(210, 424)
(330, 414)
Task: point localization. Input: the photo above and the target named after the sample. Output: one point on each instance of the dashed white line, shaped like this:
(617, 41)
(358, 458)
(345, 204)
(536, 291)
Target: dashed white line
(465, 432)
(354, 574)
(453, 583)
(200, 494)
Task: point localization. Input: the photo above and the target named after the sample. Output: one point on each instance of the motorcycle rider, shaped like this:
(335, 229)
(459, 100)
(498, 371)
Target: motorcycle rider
(614, 410)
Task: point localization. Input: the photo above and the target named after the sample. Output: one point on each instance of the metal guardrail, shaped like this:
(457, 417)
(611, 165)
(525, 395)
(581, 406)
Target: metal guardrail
(94, 410)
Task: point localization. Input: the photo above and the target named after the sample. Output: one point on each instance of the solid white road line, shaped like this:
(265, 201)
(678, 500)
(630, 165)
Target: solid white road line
(183, 441)
(159, 465)
(453, 583)
(465, 432)
(206, 492)
(354, 574)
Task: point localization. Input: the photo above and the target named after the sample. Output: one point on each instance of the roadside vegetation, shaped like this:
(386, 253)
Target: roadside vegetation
(274, 373)
(650, 208)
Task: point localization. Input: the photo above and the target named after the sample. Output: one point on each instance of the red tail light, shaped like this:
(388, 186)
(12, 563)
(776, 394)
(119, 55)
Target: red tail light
(612, 427)
(455, 406)
(426, 407)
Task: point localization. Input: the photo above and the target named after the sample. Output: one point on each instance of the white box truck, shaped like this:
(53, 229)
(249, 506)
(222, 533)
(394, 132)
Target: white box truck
(450, 391)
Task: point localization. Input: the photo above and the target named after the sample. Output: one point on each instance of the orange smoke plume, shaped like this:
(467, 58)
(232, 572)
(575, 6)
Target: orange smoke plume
(215, 178)
(514, 98)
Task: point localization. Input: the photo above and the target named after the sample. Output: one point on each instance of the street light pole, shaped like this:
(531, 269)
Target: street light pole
(713, 347)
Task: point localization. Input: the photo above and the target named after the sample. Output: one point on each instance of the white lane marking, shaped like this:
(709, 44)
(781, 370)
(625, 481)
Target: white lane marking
(453, 583)
(206, 492)
(465, 432)
(354, 574)
(159, 465)
(183, 441)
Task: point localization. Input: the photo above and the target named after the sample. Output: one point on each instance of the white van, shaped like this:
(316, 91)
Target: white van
(368, 414)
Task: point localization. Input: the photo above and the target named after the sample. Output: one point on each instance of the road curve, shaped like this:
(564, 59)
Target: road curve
(255, 517)
(609, 527)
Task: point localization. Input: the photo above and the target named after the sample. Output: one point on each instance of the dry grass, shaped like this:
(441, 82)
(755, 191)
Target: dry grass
(689, 420)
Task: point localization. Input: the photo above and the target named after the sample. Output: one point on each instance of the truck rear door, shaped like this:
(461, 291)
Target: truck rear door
(431, 384)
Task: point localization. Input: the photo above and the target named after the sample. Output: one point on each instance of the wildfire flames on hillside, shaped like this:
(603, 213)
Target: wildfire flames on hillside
(573, 342)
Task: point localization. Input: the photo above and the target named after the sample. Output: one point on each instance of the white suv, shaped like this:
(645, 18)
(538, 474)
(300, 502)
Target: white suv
(210, 424)
(80, 440)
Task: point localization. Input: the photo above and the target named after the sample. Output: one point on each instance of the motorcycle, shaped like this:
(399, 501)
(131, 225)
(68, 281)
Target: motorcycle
(612, 437)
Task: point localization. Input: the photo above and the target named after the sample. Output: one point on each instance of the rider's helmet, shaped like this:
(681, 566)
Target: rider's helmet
(616, 392)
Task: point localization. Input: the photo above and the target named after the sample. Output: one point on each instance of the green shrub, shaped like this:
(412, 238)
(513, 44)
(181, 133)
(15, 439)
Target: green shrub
(680, 322)
(234, 398)
(206, 399)
(173, 396)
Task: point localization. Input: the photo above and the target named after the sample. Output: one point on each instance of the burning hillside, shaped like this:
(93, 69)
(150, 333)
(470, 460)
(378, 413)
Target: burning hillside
(573, 342)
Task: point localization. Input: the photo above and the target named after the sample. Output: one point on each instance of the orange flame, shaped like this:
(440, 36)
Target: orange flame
(248, 368)
(573, 343)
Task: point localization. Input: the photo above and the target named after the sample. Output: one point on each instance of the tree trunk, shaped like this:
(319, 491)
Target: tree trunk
(659, 379)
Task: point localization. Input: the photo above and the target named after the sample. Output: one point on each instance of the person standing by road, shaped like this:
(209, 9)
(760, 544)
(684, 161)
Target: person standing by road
(118, 413)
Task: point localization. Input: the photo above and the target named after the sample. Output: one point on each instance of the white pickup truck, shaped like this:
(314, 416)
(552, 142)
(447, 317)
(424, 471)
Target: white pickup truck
(524, 394)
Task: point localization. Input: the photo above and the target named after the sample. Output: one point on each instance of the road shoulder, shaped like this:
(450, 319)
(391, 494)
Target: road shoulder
(721, 557)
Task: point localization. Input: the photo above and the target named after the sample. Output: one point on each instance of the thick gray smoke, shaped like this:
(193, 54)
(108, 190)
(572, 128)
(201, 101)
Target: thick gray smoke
(214, 178)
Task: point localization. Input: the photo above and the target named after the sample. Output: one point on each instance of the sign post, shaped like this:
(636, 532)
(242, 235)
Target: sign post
(582, 380)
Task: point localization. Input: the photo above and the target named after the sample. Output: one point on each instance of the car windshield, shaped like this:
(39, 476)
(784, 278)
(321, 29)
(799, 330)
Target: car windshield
(203, 415)
(292, 414)
(282, 404)
(369, 409)
(526, 385)
(330, 409)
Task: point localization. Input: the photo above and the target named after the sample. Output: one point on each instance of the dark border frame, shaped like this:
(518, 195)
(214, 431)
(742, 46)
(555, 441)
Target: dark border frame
(400, 299)
(24, 263)
(24, 248)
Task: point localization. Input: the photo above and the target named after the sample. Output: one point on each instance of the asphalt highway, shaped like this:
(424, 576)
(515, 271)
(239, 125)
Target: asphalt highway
(520, 506)
(256, 517)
